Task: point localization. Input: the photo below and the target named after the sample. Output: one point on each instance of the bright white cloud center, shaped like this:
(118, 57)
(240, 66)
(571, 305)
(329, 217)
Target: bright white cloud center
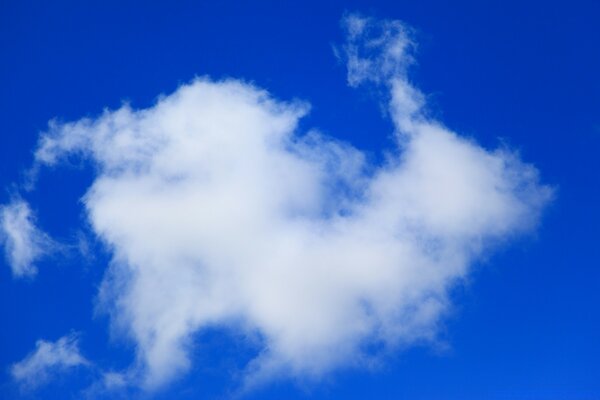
(219, 213)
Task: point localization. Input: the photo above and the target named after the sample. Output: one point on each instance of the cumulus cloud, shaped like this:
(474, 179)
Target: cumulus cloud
(24, 244)
(220, 213)
(48, 360)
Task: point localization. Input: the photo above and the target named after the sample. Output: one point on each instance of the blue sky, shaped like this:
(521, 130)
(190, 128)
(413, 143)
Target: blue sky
(467, 275)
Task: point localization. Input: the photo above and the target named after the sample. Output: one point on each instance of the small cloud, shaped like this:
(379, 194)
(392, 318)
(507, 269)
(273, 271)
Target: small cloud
(48, 360)
(114, 380)
(376, 51)
(24, 243)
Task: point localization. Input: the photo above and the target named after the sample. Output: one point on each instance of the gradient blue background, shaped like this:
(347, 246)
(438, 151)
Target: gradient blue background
(527, 323)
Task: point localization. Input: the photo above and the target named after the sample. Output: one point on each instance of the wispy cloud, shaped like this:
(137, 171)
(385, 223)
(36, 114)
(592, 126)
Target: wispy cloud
(218, 212)
(24, 244)
(48, 360)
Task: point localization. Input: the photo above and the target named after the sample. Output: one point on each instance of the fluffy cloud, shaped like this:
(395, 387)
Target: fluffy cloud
(219, 213)
(48, 360)
(23, 242)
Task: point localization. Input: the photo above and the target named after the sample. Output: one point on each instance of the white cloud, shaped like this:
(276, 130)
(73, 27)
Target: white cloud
(376, 51)
(24, 244)
(48, 360)
(219, 213)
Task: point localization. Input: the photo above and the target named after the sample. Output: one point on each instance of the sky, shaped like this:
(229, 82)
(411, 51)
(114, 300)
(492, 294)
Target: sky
(263, 200)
